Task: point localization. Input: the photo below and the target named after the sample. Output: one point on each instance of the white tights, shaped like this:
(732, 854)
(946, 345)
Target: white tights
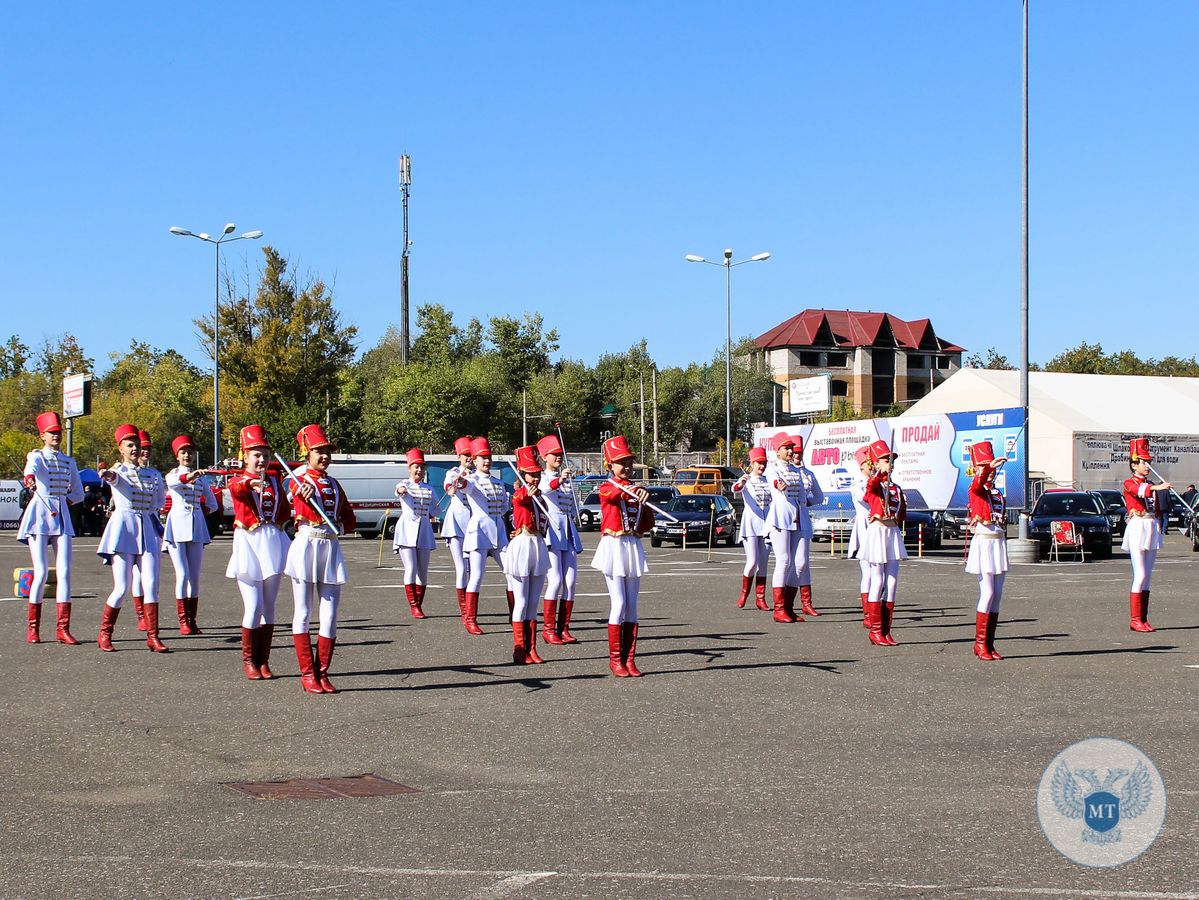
(786, 546)
(1142, 569)
(623, 590)
(39, 551)
(461, 565)
(329, 595)
(416, 565)
(990, 592)
(123, 567)
(884, 579)
(757, 555)
(478, 566)
(564, 569)
(258, 601)
(864, 584)
(187, 557)
(803, 558)
(526, 589)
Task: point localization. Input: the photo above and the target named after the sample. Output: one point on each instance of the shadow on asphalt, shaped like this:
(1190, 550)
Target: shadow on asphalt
(1155, 648)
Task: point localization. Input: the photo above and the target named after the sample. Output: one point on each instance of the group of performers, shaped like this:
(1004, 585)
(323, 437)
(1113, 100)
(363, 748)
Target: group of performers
(539, 557)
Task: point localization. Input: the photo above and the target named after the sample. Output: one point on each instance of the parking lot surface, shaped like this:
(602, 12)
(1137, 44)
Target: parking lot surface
(753, 760)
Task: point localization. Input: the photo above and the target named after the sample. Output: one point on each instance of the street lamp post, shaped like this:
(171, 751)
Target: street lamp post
(728, 265)
(216, 323)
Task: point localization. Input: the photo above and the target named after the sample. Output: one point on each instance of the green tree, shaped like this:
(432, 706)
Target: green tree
(992, 359)
(64, 354)
(13, 356)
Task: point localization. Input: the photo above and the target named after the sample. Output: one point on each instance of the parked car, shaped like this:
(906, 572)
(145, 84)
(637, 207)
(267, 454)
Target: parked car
(1079, 507)
(589, 509)
(1113, 504)
(705, 479)
(921, 525)
(955, 523)
(831, 523)
(698, 522)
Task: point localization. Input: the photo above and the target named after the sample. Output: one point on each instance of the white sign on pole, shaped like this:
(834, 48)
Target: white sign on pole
(74, 395)
(810, 396)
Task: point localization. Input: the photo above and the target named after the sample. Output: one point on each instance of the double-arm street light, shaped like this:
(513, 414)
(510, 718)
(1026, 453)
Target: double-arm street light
(216, 323)
(728, 265)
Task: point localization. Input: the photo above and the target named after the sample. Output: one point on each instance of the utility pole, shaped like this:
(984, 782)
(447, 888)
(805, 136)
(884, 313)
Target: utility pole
(405, 184)
(654, 383)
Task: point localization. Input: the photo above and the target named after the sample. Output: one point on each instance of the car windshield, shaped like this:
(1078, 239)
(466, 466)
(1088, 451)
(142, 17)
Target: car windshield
(1067, 505)
(592, 499)
(682, 477)
(660, 494)
(691, 503)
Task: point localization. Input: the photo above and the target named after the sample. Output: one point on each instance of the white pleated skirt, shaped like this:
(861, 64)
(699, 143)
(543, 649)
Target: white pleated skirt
(315, 559)
(620, 556)
(882, 544)
(526, 555)
(857, 537)
(988, 551)
(1142, 533)
(258, 554)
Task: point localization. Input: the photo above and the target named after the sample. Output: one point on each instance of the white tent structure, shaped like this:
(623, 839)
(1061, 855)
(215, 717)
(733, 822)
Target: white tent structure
(1079, 425)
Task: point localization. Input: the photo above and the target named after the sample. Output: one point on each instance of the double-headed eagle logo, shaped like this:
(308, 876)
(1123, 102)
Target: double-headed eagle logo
(1100, 809)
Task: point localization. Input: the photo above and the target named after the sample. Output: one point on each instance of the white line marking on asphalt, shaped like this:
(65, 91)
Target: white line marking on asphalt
(511, 885)
(324, 887)
(507, 875)
(1190, 666)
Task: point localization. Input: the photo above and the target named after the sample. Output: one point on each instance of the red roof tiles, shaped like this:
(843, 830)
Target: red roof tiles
(854, 329)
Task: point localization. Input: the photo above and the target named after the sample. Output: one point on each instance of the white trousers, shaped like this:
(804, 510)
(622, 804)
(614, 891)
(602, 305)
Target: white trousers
(790, 557)
(757, 557)
(864, 584)
(416, 565)
(187, 557)
(125, 566)
(622, 591)
(461, 565)
(564, 571)
(990, 592)
(306, 594)
(258, 601)
(884, 579)
(526, 590)
(477, 561)
(1142, 569)
(39, 552)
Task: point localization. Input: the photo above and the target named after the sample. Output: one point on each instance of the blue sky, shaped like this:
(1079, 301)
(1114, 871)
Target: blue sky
(567, 156)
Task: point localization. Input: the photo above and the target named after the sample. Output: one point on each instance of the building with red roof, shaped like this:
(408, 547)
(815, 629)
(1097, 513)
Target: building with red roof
(873, 359)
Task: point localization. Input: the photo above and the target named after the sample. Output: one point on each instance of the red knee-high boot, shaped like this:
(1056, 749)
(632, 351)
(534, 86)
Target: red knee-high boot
(193, 609)
(266, 634)
(461, 602)
(760, 594)
(888, 613)
(875, 613)
(992, 623)
(805, 598)
(629, 641)
(746, 581)
(470, 617)
(413, 606)
(1136, 622)
(181, 608)
(615, 661)
(249, 653)
(63, 632)
(520, 656)
(33, 633)
(780, 606)
(564, 612)
(308, 680)
(139, 607)
(324, 656)
(1145, 610)
(789, 593)
(531, 642)
(152, 640)
(108, 621)
(865, 610)
(419, 590)
(980, 636)
(549, 615)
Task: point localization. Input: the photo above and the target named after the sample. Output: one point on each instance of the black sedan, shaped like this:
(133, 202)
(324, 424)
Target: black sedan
(920, 525)
(1113, 504)
(1083, 509)
(589, 509)
(698, 523)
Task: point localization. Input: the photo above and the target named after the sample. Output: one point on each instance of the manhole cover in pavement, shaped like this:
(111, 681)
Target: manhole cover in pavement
(322, 788)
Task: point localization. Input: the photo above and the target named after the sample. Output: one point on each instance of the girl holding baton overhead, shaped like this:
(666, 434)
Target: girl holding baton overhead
(563, 540)
(883, 547)
(988, 546)
(624, 519)
(1143, 533)
(414, 540)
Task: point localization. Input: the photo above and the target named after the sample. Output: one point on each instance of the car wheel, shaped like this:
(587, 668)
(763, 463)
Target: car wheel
(655, 542)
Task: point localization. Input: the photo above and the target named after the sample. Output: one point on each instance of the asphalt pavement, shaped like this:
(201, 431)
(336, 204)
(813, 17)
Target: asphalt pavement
(753, 760)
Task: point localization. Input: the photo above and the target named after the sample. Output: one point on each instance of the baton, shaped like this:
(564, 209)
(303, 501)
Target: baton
(566, 462)
(649, 505)
(320, 506)
(537, 498)
(1174, 492)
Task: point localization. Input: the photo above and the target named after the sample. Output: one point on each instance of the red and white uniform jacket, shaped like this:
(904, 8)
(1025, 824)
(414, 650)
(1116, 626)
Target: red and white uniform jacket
(886, 499)
(621, 514)
(987, 506)
(54, 478)
(560, 499)
(527, 515)
(251, 508)
(329, 495)
(1140, 497)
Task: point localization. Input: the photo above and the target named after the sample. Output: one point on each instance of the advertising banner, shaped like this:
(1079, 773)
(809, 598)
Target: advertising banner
(10, 505)
(1101, 459)
(934, 453)
(810, 396)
